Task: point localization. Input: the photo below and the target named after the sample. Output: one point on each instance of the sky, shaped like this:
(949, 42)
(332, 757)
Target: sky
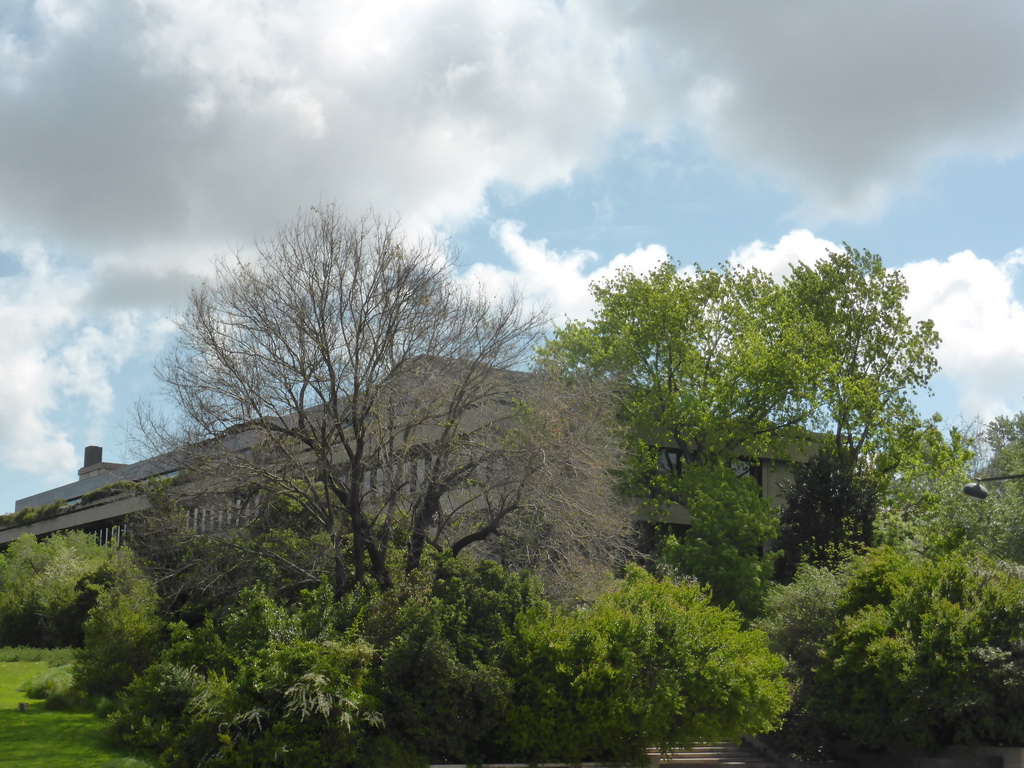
(553, 141)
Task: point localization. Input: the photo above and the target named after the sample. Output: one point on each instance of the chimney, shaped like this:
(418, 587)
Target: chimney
(93, 455)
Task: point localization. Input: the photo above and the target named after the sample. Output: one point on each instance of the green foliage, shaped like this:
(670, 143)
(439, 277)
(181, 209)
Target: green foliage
(867, 358)
(49, 587)
(1005, 438)
(268, 686)
(718, 363)
(929, 653)
(830, 509)
(123, 631)
(715, 364)
(724, 546)
(651, 664)
(927, 512)
(110, 489)
(462, 662)
(799, 620)
(442, 677)
(32, 514)
(55, 684)
(923, 506)
(707, 362)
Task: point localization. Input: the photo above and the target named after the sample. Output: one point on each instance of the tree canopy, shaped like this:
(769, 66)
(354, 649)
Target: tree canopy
(712, 363)
(718, 365)
(867, 358)
(707, 361)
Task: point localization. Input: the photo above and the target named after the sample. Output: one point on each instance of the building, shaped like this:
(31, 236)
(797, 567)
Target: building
(99, 502)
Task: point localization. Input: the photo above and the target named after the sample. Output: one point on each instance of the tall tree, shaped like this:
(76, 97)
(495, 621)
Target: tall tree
(715, 364)
(870, 359)
(708, 365)
(346, 372)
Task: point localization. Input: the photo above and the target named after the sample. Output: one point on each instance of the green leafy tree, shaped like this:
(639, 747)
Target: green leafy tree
(869, 358)
(725, 544)
(926, 511)
(923, 507)
(830, 508)
(49, 586)
(715, 364)
(1004, 438)
(123, 632)
(707, 362)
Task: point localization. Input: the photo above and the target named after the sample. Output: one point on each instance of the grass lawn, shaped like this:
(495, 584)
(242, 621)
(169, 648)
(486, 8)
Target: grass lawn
(42, 738)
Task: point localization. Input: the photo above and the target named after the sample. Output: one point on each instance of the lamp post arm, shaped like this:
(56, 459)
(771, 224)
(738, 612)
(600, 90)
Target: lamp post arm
(979, 491)
(1000, 477)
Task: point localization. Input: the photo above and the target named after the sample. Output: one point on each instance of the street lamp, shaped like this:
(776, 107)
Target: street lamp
(979, 491)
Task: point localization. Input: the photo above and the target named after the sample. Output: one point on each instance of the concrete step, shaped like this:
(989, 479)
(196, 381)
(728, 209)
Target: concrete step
(714, 756)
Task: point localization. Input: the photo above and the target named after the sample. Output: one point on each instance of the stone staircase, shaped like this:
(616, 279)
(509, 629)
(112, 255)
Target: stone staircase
(713, 756)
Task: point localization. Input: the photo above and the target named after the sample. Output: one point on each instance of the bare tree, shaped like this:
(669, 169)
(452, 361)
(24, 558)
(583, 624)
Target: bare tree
(346, 372)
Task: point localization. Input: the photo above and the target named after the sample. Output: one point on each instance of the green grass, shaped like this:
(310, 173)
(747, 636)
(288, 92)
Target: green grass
(42, 738)
(55, 657)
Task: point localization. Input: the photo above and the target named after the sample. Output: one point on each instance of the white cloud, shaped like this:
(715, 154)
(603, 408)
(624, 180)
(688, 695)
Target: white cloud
(166, 122)
(161, 123)
(845, 103)
(56, 357)
(797, 246)
(561, 281)
(981, 323)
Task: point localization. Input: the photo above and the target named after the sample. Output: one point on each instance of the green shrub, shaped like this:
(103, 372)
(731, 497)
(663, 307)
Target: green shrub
(652, 664)
(462, 662)
(106, 491)
(442, 678)
(49, 587)
(32, 514)
(254, 689)
(54, 682)
(800, 620)
(56, 687)
(123, 632)
(929, 653)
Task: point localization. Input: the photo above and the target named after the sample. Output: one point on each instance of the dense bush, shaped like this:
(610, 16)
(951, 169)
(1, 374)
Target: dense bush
(651, 664)
(49, 587)
(928, 653)
(442, 675)
(55, 685)
(461, 662)
(267, 686)
(122, 632)
(800, 620)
